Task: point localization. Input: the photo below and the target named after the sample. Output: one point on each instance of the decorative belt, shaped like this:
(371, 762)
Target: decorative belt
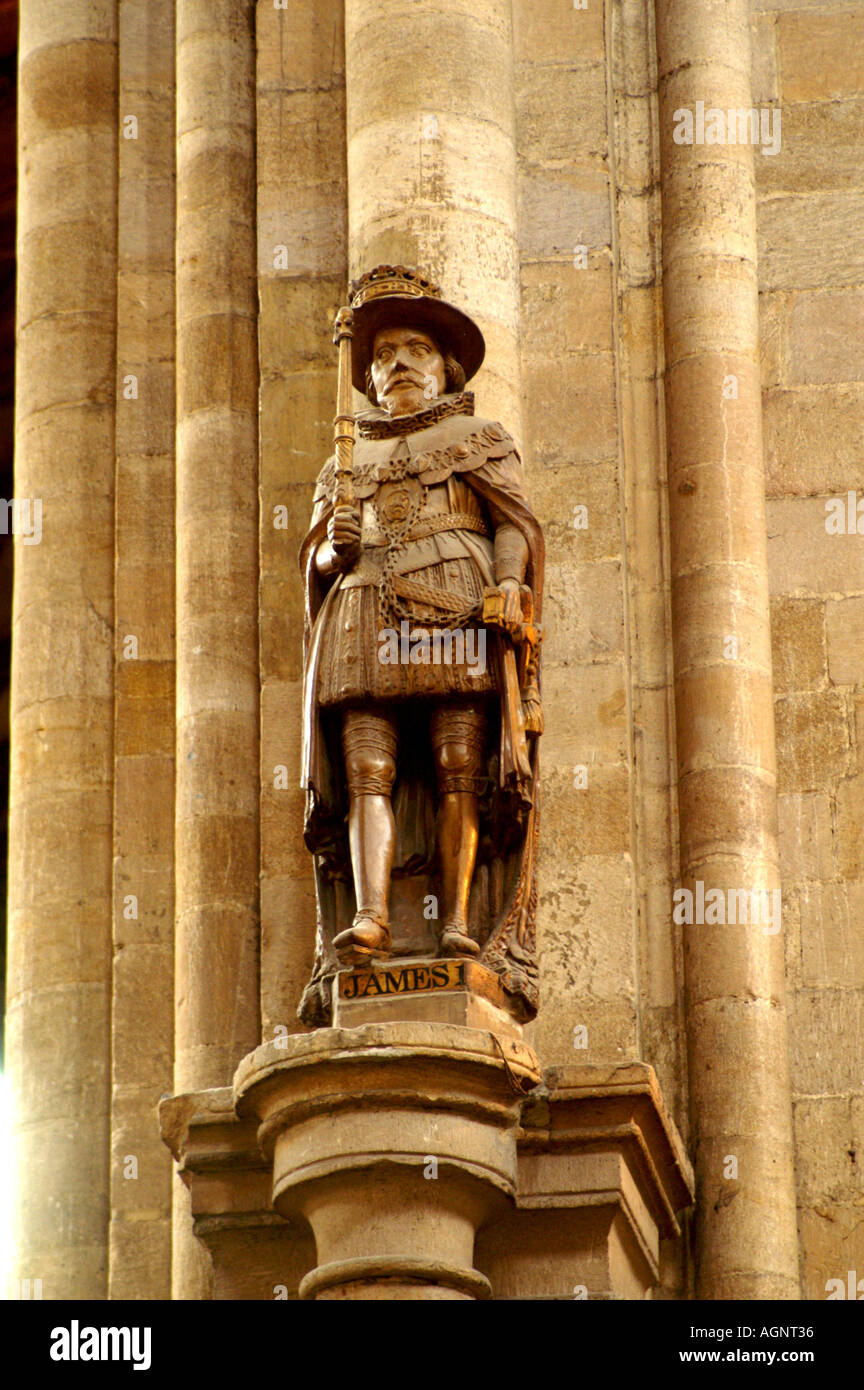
(447, 600)
(444, 521)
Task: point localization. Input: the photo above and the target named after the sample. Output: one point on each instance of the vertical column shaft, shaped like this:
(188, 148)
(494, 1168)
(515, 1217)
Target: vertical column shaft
(142, 1014)
(302, 259)
(736, 1021)
(432, 161)
(216, 843)
(61, 697)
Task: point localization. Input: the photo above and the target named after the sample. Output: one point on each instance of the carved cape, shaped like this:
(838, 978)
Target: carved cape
(443, 440)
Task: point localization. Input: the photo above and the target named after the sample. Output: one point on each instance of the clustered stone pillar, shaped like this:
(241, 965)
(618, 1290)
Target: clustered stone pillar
(736, 1021)
(216, 949)
(432, 162)
(59, 986)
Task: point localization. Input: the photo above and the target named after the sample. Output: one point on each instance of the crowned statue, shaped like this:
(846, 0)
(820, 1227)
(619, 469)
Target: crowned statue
(423, 573)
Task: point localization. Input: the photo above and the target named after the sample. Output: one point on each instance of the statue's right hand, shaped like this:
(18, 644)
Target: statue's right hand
(343, 533)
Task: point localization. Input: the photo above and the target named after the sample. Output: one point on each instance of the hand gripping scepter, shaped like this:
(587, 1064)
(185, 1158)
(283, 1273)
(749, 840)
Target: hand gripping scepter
(343, 425)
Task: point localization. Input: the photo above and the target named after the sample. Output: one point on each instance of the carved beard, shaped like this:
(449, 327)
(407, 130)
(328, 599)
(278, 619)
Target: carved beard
(406, 398)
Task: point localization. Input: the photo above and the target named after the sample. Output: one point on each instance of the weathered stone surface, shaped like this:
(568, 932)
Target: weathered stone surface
(489, 154)
(798, 457)
(832, 944)
(807, 131)
(850, 827)
(545, 33)
(561, 209)
(844, 621)
(798, 643)
(725, 733)
(812, 740)
(825, 332)
(773, 309)
(803, 559)
(583, 612)
(567, 112)
(302, 230)
(821, 55)
(594, 729)
(806, 836)
(827, 1171)
(587, 384)
(811, 243)
(547, 286)
(833, 1244)
(764, 78)
(817, 1013)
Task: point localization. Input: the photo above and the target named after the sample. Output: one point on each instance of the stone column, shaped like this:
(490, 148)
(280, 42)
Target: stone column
(736, 1021)
(142, 1013)
(216, 947)
(59, 987)
(303, 272)
(395, 1142)
(432, 162)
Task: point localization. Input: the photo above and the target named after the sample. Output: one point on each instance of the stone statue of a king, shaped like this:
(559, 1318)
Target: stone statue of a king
(421, 681)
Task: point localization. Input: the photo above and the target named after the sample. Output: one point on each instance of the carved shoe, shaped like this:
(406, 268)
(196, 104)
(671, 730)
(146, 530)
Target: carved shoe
(455, 941)
(366, 939)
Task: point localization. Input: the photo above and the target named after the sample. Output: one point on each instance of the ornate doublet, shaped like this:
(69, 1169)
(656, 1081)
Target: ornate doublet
(427, 557)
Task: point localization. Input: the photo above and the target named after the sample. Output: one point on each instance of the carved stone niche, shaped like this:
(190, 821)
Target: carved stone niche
(603, 1174)
(401, 1161)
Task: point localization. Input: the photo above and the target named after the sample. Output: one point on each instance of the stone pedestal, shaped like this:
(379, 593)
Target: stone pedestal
(407, 1161)
(396, 1142)
(437, 991)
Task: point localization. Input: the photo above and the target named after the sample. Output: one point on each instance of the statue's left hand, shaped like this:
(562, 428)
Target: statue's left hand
(512, 616)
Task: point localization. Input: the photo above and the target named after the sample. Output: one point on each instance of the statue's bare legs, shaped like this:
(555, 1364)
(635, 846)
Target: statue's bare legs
(458, 730)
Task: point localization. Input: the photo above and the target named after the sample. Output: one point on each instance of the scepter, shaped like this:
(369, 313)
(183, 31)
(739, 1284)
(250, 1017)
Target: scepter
(343, 425)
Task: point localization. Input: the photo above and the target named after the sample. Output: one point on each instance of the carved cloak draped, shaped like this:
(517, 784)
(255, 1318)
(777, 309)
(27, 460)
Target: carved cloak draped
(503, 895)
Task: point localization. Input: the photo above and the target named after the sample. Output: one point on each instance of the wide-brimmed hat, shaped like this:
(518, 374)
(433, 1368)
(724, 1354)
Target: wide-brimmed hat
(398, 294)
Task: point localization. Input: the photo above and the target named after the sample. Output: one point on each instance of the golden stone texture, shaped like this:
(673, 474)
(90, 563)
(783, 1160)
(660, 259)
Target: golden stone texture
(59, 988)
(746, 1248)
(279, 152)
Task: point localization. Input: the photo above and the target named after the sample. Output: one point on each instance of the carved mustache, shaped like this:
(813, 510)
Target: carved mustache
(399, 375)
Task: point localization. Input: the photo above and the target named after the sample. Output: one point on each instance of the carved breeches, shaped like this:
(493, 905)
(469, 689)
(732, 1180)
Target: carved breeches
(359, 662)
(458, 734)
(369, 746)
(459, 740)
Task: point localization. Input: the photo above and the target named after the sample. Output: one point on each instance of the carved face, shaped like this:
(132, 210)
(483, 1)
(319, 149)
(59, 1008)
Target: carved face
(407, 370)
